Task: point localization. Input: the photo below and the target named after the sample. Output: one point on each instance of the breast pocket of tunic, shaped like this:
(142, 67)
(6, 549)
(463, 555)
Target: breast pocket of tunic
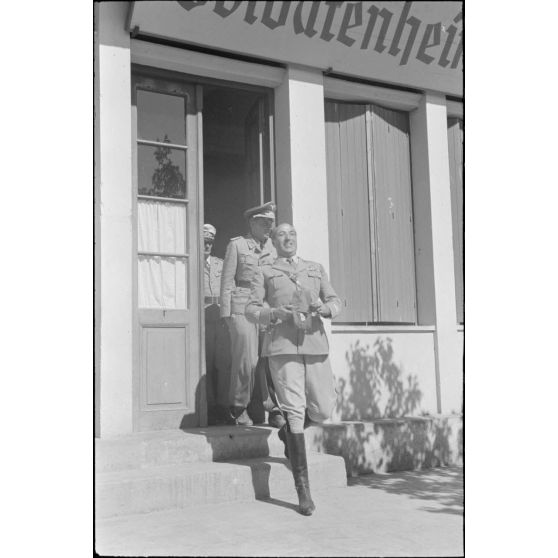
(248, 265)
(314, 281)
(281, 289)
(279, 280)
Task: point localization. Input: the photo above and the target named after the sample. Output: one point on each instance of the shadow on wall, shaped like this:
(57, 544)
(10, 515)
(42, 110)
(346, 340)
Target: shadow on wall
(385, 436)
(377, 388)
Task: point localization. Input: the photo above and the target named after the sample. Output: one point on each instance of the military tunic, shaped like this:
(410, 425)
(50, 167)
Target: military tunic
(298, 358)
(217, 342)
(244, 256)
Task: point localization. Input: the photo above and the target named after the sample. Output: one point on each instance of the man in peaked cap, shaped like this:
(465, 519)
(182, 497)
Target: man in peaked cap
(217, 342)
(245, 254)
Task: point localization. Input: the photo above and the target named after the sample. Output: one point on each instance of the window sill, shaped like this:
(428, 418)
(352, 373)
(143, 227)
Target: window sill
(404, 328)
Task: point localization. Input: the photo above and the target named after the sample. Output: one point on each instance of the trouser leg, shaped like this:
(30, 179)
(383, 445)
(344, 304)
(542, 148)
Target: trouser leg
(256, 409)
(304, 389)
(288, 374)
(210, 383)
(222, 363)
(276, 418)
(244, 342)
(320, 388)
(263, 397)
(270, 387)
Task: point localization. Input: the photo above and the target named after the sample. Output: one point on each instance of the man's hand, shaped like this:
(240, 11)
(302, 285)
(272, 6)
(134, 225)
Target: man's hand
(283, 312)
(322, 309)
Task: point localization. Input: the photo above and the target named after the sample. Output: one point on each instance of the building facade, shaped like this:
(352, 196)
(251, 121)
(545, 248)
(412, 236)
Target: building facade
(349, 116)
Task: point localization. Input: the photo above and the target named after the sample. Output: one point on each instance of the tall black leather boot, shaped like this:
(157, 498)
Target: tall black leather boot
(299, 465)
(285, 428)
(307, 420)
(283, 435)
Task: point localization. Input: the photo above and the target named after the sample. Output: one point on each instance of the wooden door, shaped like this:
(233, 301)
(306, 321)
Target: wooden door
(259, 154)
(166, 123)
(348, 209)
(370, 212)
(391, 197)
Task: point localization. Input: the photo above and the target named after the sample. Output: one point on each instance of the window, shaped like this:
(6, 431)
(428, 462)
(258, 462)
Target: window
(370, 213)
(455, 146)
(162, 193)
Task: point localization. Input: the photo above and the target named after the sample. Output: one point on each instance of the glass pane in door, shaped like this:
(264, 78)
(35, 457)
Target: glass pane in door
(162, 227)
(162, 279)
(162, 282)
(161, 116)
(161, 171)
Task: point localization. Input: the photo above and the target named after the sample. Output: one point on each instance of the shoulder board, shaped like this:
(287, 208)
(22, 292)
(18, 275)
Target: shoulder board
(314, 266)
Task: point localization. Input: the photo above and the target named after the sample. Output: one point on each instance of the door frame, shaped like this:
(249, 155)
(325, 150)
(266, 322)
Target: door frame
(197, 82)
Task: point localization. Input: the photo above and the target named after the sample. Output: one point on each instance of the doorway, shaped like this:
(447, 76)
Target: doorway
(202, 154)
(236, 158)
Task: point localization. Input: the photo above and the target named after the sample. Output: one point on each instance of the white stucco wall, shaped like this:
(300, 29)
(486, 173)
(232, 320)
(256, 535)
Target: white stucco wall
(383, 374)
(301, 160)
(114, 207)
(434, 244)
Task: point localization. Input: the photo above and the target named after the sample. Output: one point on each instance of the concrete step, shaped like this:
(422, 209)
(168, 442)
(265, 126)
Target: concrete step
(132, 491)
(375, 446)
(173, 447)
(171, 469)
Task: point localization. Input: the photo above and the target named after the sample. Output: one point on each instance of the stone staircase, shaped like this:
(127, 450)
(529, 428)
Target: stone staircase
(172, 469)
(163, 470)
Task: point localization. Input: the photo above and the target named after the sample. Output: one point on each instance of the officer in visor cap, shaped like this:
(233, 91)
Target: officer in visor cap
(244, 255)
(217, 342)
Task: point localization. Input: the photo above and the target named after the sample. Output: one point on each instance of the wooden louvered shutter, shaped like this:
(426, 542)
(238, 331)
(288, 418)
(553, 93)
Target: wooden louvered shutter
(348, 209)
(455, 145)
(370, 213)
(393, 247)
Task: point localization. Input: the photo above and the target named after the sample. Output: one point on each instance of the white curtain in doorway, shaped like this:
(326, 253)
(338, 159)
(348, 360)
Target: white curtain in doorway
(162, 280)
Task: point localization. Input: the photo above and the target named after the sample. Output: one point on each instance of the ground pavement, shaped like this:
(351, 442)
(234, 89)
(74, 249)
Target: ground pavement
(416, 513)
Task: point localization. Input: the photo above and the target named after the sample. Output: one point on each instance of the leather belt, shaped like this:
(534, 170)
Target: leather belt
(211, 299)
(243, 284)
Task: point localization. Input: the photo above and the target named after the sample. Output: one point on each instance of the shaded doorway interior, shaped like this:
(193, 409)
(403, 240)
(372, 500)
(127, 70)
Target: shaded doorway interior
(237, 163)
(236, 158)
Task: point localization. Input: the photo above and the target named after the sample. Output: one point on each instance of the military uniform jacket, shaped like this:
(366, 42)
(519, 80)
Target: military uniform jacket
(243, 257)
(273, 284)
(212, 276)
